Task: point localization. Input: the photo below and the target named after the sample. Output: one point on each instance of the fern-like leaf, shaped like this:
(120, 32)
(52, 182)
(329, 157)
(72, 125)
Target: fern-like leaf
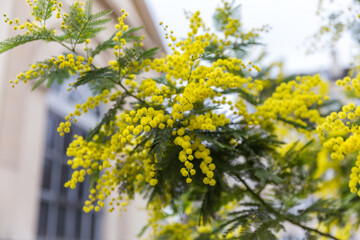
(42, 9)
(100, 14)
(18, 40)
(52, 75)
(100, 74)
(88, 8)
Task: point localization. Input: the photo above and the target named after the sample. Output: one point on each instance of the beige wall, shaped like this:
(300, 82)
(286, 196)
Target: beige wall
(23, 117)
(22, 122)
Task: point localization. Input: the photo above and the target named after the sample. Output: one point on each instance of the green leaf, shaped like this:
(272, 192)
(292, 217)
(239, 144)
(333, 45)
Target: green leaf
(266, 175)
(94, 177)
(160, 143)
(149, 53)
(38, 83)
(58, 75)
(211, 139)
(100, 85)
(132, 30)
(88, 8)
(42, 9)
(99, 22)
(52, 75)
(263, 231)
(245, 95)
(109, 43)
(100, 14)
(82, 24)
(128, 34)
(103, 46)
(99, 74)
(143, 229)
(18, 40)
(295, 124)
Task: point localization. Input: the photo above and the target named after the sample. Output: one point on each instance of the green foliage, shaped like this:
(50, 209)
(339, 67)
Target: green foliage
(18, 40)
(50, 74)
(42, 9)
(110, 42)
(101, 75)
(229, 10)
(83, 25)
(58, 75)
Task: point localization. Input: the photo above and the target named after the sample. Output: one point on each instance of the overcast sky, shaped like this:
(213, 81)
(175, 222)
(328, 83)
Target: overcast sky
(292, 22)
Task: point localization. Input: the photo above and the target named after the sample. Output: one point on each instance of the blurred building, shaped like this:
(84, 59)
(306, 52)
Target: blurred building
(33, 202)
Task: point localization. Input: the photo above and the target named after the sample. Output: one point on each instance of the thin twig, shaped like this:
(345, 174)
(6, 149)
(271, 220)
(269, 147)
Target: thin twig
(62, 44)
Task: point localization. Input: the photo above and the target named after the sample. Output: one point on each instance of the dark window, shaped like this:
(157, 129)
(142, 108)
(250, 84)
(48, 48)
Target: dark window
(63, 179)
(78, 223)
(46, 182)
(60, 229)
(61, 216)
(44, 208)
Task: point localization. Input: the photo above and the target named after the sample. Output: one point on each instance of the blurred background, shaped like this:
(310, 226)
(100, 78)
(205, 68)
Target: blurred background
(33, 202)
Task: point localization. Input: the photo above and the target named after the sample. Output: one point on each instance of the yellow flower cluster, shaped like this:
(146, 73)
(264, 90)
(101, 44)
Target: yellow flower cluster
(73, 64)
(90, 104)
(344, 138)
(201, 82)
(128, 130)
(65, 26)
(28, 26)
(232, 27)
(355, 177)
(129, 170)
(178, 231)
(155, 211)
(121, 27)
(69, 62)
(91, 157)
(199, 151)
(292, 102)
(339, 231)
(191, 228)
(350, 83)
(341, 121)
(198, 84)
(56, 6)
